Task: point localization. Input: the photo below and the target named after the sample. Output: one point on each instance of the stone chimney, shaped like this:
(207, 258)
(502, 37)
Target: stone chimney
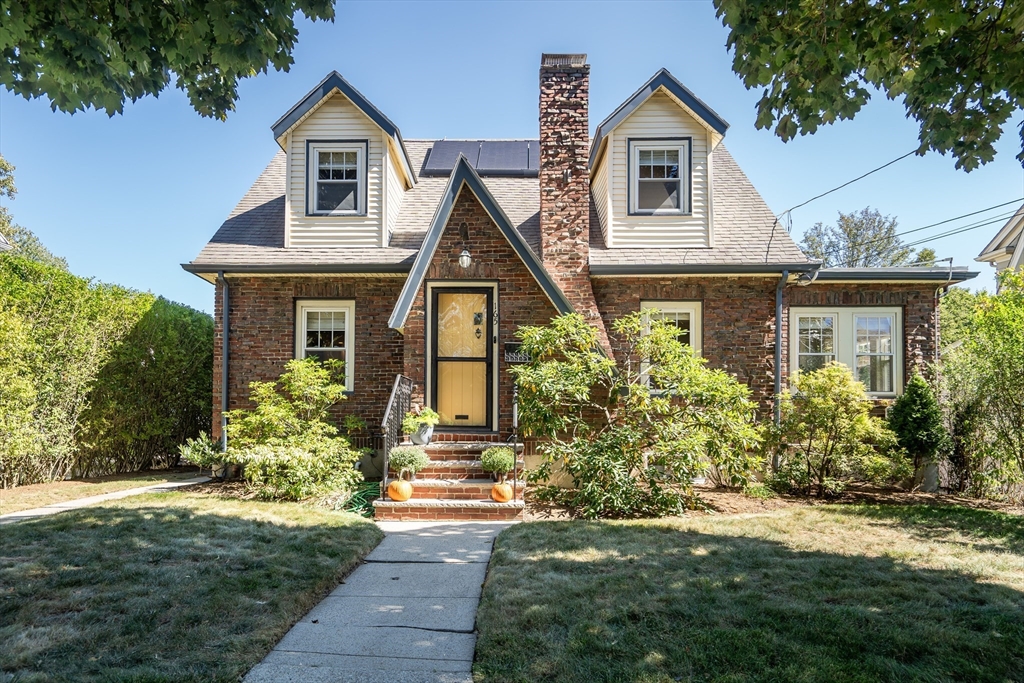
(565, 179)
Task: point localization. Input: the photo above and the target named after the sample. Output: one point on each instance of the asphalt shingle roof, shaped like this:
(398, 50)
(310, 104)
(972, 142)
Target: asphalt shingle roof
(253, 235)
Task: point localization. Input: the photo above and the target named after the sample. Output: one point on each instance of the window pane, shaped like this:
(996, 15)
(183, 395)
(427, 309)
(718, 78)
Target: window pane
(336, 196)
(672, 156)
(324, 159)
(658, 195)
(814, 362)
(875, 372)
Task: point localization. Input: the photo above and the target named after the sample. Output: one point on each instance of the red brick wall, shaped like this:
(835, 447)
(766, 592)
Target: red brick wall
(521, 301)
(738, 325)
(262, 340)
(739, 317)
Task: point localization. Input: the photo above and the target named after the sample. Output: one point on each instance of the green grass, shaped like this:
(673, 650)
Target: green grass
(837, 593)
(165, 587)
(38, 495)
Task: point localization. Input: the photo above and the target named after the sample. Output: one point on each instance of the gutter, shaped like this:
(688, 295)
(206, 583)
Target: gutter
(702, 269)
(225, 308)
(298, 268)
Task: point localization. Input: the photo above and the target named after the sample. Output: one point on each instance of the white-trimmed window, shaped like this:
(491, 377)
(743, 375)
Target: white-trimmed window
(324, 329)
(684, 315)
(659, 177)
(337, 178)
(865, 339)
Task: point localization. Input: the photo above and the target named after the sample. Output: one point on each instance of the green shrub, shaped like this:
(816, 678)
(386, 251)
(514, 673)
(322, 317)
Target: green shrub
(630, 449)
(291, 472)
(202, 451)
(288, 446)
(916, 419)
(412, 421)
(827, 437)
(409, 459)
(498, 459)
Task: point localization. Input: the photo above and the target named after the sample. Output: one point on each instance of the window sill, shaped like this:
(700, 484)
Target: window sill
(661, 214)
(336, 215)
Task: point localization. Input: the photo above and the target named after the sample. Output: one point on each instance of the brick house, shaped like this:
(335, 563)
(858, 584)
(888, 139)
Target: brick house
(421, 258)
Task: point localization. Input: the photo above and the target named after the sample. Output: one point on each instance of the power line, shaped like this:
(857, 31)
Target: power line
(985, 221)
(955, 231)
(849, 182)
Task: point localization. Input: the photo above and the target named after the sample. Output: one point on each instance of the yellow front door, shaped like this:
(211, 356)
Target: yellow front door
(462, 356)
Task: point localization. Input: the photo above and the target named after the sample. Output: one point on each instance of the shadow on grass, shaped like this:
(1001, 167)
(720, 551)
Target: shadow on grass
(166, 588)
(656, 601)
(1001, 531)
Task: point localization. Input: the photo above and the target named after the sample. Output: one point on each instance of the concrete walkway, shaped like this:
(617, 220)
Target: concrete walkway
(54, 508)
(407, 614)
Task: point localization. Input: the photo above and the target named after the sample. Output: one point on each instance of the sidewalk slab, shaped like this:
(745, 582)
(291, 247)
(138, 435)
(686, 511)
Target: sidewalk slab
(276, 673)
(319, 660)
(79, 503)
(386, 642)
(415, 580)
(442, 614)
(470, 542)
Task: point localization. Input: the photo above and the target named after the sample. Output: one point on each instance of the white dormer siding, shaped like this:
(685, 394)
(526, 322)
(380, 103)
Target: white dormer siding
(336, 119)
(394, 192)
(659, 118)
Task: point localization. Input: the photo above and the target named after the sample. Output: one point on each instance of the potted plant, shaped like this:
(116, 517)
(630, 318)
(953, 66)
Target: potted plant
(419, 425)
(404, 459)
(499, 461)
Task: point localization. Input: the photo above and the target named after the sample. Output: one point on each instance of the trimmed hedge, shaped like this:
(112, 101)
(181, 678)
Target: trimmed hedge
(103, 379)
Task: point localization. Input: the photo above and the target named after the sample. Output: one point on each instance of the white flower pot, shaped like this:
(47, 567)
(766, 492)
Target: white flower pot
(422, 435)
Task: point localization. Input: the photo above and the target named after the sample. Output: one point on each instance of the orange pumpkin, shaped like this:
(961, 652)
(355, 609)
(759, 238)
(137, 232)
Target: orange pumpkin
(501, 493)
(399, 490)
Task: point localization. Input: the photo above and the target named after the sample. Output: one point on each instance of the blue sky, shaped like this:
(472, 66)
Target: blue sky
(128, 199)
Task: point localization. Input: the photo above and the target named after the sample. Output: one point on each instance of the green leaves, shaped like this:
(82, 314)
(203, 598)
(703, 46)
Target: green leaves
(93, 53)
(827, 436)
(287, 443)
(916, 419)
(959, 67)
(632, 436)
(862, 238)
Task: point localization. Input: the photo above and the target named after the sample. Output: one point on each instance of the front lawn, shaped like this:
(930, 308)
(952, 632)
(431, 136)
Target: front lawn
(38, 495)
(165, 587)
(832, 593)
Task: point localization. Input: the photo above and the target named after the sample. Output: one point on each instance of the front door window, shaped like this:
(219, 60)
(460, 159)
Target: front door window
(462, 356)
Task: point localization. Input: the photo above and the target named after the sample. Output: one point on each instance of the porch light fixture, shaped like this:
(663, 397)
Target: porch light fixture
(465, 259)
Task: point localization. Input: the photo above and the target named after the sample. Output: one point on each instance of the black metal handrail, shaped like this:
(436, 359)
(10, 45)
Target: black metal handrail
(391, 425)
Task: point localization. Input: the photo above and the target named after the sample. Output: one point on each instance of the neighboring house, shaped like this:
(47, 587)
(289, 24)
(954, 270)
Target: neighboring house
(4, 244)
(421, 258)
(1006, 250)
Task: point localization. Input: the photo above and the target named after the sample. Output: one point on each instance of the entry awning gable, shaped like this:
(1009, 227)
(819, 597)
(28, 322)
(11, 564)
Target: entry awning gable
(464, 175)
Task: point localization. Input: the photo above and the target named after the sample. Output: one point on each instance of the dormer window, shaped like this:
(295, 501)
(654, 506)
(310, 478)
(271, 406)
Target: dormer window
(659, 176)
(337, 178)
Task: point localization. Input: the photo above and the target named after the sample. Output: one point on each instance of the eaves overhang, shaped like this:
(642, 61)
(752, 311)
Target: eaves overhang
(204, 270)
(752, 269)
(901, 274)
(463, 175)
(662, 79)
(335, 81)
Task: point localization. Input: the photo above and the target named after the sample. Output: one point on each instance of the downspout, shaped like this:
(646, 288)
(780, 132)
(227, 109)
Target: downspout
(225, 306)
(778, 346)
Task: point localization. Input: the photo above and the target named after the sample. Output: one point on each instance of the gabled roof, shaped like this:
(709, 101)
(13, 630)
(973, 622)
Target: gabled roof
(1008, 244)
(465, 176)
(4, 244)
(662, 79)
(335, 81)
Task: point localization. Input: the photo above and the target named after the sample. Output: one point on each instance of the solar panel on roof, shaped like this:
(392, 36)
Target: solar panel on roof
(445, 153)
(488, 157)
(504, 157)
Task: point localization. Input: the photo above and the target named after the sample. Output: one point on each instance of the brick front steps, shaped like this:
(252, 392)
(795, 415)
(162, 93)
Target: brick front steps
(447, 510)
(453, 487)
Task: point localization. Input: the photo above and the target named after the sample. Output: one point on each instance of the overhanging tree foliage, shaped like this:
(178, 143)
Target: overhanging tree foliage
(958, 66)
(96, 53)
(861, 239)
